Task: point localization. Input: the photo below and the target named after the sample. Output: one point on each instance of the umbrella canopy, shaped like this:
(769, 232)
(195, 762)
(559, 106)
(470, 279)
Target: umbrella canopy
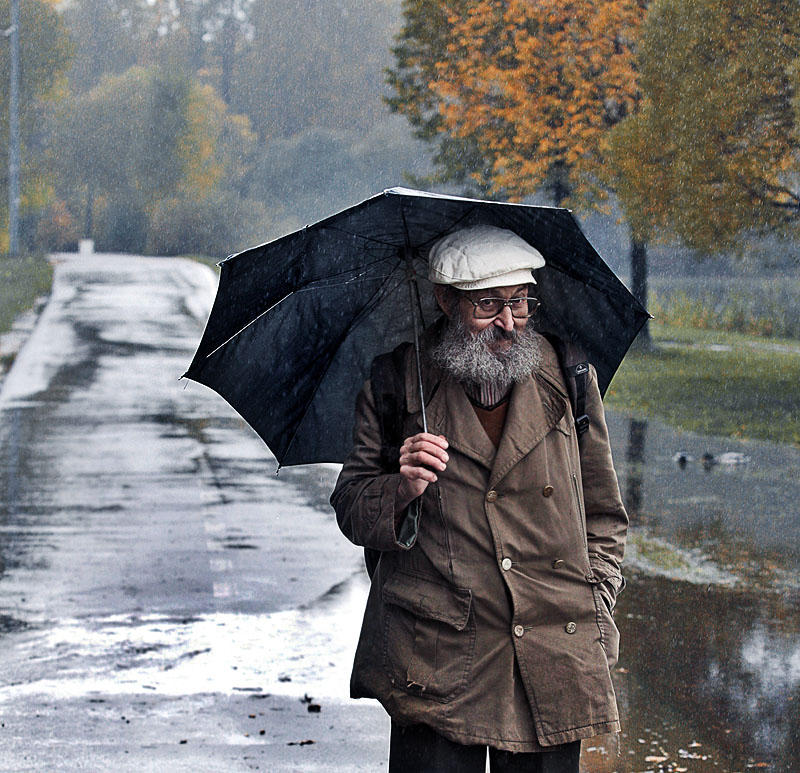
(297, 322)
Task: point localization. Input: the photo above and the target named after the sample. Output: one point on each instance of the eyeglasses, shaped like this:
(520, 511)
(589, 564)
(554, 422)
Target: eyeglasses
(486, 308)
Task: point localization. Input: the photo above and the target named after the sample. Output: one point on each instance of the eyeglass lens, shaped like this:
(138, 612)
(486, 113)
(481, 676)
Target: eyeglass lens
(485, 308)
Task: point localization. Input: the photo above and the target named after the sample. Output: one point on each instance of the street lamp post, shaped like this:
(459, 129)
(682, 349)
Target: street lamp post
(13, 134)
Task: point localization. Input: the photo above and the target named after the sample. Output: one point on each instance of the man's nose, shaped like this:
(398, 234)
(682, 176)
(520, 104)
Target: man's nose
(505, 319)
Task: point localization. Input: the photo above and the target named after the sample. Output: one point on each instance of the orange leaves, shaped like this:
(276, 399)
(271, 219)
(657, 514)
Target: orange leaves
(531, 84)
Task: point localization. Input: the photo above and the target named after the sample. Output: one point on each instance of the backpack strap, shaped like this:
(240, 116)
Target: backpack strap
(575, 367)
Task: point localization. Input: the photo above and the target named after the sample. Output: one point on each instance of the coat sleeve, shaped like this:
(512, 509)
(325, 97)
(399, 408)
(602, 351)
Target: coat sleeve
(606, 519)
(364, 496)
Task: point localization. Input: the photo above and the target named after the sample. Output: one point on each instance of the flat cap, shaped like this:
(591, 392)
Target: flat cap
(482, 256)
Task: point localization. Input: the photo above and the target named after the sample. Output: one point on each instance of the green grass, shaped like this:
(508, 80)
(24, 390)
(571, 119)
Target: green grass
(748, 391)
(22, 280)
(760, 306)
(659, 553)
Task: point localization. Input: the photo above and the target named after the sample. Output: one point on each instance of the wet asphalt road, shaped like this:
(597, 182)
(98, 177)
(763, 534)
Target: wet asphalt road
(167, 601)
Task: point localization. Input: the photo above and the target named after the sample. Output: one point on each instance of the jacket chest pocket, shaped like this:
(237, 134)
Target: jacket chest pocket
(429, 636)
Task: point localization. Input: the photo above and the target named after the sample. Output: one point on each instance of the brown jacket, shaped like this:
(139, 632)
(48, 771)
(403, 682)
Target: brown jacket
(491, 626)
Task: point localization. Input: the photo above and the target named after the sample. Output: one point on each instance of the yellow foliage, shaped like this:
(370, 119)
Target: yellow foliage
(537, 84)
(201, 146)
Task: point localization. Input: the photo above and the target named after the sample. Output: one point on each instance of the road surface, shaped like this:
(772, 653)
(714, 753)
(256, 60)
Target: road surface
(167, 601)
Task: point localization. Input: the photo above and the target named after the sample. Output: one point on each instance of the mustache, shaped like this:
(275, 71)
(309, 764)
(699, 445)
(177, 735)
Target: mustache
(494, 333)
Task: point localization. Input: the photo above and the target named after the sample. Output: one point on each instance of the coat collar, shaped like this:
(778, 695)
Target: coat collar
(537, 405)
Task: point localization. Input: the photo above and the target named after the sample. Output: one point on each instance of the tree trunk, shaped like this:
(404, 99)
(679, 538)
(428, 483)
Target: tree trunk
(639, 285)
(227, 58)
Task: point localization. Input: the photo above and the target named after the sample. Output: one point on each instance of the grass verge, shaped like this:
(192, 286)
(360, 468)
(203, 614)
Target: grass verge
(714, 383)
(22, 280)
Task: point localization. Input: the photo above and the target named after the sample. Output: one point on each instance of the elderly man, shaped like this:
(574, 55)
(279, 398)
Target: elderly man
(488, 622)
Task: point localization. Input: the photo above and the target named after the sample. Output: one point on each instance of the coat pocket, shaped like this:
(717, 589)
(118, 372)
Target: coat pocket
(429, 636)
(609, 633)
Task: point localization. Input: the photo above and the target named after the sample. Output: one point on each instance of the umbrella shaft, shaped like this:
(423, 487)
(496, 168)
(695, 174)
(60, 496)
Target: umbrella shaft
(416, 352)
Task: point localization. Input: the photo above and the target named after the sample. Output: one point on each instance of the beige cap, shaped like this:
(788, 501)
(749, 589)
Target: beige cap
(482, 256)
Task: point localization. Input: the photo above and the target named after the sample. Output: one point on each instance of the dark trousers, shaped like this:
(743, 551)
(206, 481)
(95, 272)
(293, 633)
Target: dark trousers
(418, 749)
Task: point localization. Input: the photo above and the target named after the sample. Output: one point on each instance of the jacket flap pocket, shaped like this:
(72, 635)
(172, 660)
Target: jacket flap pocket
(429, 599)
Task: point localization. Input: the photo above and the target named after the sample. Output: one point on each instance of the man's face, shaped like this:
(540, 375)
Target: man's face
(505, 322)
(495, 350)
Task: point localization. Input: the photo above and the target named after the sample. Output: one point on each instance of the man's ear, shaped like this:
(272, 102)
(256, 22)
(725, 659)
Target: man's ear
(445, 298)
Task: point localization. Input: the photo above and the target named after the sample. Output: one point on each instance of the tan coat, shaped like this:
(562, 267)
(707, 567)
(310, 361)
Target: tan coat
(492, 627)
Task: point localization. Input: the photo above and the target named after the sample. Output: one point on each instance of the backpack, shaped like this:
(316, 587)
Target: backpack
(387, 378)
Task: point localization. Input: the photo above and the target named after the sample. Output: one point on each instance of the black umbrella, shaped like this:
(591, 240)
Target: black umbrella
(297, 322)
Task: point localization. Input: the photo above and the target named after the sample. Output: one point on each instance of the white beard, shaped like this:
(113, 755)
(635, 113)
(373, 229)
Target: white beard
(467, 356)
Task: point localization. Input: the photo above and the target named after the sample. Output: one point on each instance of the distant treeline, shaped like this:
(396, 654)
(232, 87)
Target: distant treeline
(200, 126)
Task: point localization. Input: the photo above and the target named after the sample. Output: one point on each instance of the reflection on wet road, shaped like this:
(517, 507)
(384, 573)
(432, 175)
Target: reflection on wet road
(150, 550)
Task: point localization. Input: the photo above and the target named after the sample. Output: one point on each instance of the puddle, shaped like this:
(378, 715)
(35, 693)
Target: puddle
(708, 679)
(709, 675)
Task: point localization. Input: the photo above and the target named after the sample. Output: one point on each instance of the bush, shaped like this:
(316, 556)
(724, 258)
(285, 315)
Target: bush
(218, 225)
(57, 230)
(766, 307)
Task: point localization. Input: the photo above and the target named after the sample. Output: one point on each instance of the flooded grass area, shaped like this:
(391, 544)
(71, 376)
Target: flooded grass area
(708, 679)
(715, 383)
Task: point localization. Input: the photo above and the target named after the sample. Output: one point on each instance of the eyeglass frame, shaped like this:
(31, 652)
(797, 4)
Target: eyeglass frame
(506, 302)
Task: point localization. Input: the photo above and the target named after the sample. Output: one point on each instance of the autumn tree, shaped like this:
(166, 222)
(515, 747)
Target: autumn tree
(520, 96)
(421, 43)
(713, 151)
(45, 52)
(108, 35)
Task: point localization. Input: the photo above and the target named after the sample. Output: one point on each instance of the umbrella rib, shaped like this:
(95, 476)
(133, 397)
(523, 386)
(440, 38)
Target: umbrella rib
(358, 236)
(298, 290)
(342, 273)
(368, 305)
(251, 322)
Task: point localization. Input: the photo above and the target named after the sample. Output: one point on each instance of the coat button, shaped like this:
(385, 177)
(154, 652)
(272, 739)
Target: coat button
(491, 496)
(570, 627)
(506, 564)
(518, 631)
(558, 563)
(547, 491)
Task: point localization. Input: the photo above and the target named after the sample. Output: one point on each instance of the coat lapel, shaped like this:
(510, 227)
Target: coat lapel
(536, 407)
(451, 414)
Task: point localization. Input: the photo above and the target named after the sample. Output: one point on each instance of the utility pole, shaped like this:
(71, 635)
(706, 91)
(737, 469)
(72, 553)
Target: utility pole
(13, 135)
